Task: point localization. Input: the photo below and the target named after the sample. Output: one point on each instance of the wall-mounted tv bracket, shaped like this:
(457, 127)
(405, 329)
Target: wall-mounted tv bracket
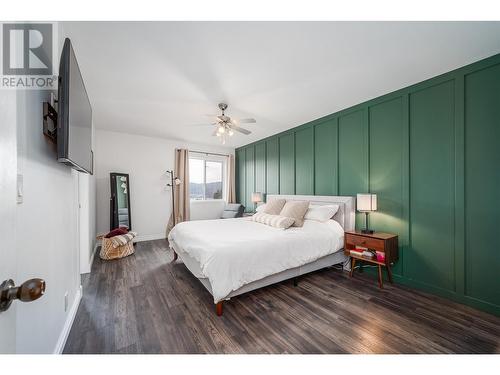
(50, 120)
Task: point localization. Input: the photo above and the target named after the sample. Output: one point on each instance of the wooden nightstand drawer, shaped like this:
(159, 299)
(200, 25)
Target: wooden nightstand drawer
(371, 243)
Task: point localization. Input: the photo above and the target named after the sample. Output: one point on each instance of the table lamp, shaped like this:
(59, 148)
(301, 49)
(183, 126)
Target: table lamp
(256, 198)
(366, 203)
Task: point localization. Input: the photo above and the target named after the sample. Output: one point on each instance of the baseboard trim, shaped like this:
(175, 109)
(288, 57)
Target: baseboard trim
(88, 267)
(92, 257)
(150, 237)
(61, 342)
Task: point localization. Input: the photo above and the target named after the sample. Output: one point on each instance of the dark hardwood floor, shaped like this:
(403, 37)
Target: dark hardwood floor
(144, 304)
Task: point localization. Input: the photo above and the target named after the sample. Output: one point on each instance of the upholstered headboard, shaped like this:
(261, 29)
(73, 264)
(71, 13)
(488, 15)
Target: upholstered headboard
(345, 215)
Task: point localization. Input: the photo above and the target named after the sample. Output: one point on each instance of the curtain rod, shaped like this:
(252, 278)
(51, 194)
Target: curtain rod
(208, 153)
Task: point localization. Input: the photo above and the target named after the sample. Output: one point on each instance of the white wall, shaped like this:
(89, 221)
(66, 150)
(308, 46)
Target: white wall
(145, 159)
(47, 238)
(87, 220)
(87, 217)
(47, 232)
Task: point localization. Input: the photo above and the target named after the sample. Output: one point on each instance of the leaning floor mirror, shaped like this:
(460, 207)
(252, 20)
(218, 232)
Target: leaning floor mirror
(120, 201)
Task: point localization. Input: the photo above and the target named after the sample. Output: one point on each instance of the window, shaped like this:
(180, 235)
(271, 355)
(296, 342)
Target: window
(206, 176)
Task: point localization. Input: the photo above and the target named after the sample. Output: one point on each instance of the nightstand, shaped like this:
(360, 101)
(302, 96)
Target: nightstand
(384, 243)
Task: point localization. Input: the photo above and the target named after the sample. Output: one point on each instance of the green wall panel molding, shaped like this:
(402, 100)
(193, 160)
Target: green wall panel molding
(249, 177)
(287, 163)
(431, 258)
(272, 166)
(240, 176)
(304, 161)
(326, 158)
(387, 158)
(353, 156)
(260, 167)
(353, 149)
(482, 184)
(430, 152)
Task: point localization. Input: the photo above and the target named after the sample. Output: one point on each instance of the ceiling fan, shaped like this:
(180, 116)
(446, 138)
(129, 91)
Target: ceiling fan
(225, 126)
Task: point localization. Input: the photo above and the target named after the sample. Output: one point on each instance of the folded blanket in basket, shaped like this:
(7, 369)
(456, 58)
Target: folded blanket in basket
(122, 239)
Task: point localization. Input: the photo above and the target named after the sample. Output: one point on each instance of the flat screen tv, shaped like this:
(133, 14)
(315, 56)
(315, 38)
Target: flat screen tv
(74, 120)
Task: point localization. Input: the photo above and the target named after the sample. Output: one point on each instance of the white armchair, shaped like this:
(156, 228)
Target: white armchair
(207, 209)
(215, 209)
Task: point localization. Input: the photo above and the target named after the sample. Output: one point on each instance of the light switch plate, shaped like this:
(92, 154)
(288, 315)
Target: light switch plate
(20, 188)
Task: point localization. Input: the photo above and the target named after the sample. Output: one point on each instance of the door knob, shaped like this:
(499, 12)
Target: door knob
(28, 291)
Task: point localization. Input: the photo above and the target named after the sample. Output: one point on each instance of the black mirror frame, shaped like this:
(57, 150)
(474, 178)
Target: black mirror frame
(113, 209)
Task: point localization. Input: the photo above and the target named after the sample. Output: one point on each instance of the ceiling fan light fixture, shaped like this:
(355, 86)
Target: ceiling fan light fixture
(226, 127)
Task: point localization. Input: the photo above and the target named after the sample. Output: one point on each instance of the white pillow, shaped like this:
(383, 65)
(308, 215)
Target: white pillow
(260, 208)
(321, 213)
(275, 221)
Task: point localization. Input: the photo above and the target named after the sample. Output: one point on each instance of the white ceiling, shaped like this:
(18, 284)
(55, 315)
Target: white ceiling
(162, 78)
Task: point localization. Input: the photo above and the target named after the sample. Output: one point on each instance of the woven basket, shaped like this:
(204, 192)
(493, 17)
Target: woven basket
(109, 252)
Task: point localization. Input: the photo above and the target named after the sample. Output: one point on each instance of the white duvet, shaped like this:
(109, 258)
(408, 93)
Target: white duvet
(235, 252)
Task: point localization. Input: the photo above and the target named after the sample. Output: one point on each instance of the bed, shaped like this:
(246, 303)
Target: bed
(235, 256)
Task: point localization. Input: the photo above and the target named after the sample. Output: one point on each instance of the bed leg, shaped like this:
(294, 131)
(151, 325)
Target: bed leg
(175, 256)
(218, 308)
(295, 281)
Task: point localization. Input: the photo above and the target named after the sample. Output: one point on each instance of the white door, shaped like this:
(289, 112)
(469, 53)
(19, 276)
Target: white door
(8, 196)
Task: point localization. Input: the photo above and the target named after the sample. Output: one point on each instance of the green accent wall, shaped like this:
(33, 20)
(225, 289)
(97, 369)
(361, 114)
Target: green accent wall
(353, 156)
(249, 177)
(482, 184)
(272, 167)
(287, 163)
(240, 179)
(431, 154)
(304, 161)
(432, 186)
(260, 166)
(326, 158)
(387, 155)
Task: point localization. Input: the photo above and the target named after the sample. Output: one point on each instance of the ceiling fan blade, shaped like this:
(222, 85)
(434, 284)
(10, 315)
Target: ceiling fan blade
(247, 121)
(241, 130)
(205, 124)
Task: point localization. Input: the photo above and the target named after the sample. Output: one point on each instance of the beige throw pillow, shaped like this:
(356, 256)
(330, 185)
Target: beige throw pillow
(295, 210)
(274, 206)
(275, 221)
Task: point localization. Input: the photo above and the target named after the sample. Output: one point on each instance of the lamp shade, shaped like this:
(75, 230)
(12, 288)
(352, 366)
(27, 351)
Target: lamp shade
(366, 202)
(256, 197)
